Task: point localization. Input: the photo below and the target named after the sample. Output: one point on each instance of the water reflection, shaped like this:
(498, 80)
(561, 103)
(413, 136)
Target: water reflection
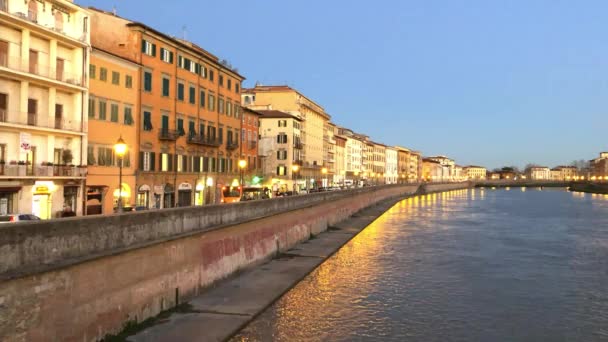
(468, 265)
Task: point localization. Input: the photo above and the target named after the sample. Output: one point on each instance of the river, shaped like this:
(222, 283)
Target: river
(469, 265)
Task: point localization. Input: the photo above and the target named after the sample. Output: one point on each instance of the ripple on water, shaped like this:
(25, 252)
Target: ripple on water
(465, 266)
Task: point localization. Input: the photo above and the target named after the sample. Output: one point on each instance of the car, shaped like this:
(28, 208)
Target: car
(18, 217)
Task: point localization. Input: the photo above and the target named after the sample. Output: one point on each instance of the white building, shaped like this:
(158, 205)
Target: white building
(539, 173)
(391, 175)
(44, 49)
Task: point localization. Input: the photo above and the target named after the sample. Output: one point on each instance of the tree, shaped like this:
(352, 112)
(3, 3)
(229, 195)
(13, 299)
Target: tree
(581, 164)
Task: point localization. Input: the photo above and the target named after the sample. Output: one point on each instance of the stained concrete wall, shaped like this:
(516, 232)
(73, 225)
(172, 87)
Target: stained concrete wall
(103, 272)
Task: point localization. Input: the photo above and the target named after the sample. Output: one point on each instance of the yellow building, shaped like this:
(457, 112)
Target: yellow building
(314, 122)
(113, 113)
(43, 112)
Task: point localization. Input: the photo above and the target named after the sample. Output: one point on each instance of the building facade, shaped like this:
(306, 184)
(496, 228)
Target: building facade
(538, 173)
(391, 176)
(113, 113)
(249, 145)
(280, 151)
(188, 137)
(473, 172)
(44, 49)
(432, 170)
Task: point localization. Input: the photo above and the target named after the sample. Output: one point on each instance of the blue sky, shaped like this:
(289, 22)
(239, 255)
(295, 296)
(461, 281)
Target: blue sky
(485, 82)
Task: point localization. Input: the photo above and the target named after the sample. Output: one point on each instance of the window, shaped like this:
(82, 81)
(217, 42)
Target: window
(105, 156)
(229, 108)
(148, 48)
(146, 161)
(282, 123)
(114, 112)
(92, 71)
(192, 95)
(229, 85)
(166, 162)
(180, 127)
(201, 129)
(147, 121)
(166, 85)
(282, 138)
(166, 56)
(236, 88)
(281, 154)
(211, 102)
(221, 80)
(191, 128)
(220, 105)
(211, 75)
(128, 119)
(115, 77)
(90, 155)
(102, 109)
(180, 91)
(281, 170)
(103, 74)
(180, 163)
(91, 107)
(128, 81)
(203, 71)
(59, 21)
(32, 11)
(221, 135)
(202, 99)
(147, 81)
(193, 67)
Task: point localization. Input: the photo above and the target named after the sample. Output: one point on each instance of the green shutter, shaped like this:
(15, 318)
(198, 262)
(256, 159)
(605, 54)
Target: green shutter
(143, 46)
(171, 57)
(153, 50)
(152, 161)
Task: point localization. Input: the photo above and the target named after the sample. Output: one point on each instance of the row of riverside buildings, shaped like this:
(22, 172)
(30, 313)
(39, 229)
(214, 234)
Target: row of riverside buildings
(73, 81)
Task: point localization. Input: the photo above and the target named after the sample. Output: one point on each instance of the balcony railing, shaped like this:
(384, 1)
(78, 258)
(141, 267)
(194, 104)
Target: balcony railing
(37, 120)
(252, 144)
(203, 140)
(168, 134)
(231, 145)
(15, 170)
(19, 64)
(298, 145)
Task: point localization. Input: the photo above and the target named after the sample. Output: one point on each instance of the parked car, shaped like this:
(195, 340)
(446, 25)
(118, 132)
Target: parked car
(18, 217)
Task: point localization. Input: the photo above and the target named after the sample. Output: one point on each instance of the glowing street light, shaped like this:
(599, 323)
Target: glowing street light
(120, 148)
(242, 166)
(294, 170)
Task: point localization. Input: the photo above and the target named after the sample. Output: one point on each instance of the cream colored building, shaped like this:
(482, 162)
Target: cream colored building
(564, 173)
(44, 49)
(340, 164)
(539, 173)
(391, 175)
(354, 156)
(329, 154)
(314, 123)
(280, 150)
(448, 166)
(473, 172)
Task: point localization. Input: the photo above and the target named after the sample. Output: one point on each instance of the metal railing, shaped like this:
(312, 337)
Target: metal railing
(231, 145)
(15, 170)
(22, 65)
(168, 134)
(203, 140)
(37, 120)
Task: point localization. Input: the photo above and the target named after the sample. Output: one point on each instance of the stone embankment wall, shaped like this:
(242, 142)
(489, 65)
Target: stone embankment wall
(593, 188)
(79, 279)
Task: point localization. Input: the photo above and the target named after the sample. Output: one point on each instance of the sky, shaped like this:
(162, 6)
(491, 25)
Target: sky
(491, 83)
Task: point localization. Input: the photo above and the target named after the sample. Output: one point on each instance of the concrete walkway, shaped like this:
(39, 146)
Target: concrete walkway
(223, 310)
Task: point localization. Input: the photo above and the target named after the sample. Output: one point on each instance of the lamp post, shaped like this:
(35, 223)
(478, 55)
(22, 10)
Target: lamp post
(120, 148)
(242, 166)
(294, 171)
(324, 172)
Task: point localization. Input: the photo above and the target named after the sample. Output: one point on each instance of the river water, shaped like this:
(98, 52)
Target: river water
(469, 265)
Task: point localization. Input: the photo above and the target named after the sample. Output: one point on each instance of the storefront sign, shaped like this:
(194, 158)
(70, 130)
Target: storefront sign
(185, 186)
(144, 187)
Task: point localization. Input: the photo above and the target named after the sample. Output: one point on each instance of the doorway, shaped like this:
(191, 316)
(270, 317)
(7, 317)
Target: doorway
(41, 206)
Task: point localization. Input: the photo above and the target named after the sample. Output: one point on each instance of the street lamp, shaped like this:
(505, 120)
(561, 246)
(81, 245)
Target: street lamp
(324, 172)
(294, 171)
(242, 166)
(120, 148)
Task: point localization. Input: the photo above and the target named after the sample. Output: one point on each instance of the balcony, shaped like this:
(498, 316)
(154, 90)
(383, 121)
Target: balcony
(37, 121)
(41, 171)
(298, 145)
(204, 141)
(54, 75)
(168, 134)
(252, 144)
(231, 146)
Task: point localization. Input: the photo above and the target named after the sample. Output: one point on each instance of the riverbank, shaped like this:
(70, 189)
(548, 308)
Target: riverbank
(593, 188)
(223, 310)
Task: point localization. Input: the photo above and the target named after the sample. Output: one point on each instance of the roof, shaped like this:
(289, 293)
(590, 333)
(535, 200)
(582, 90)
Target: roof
(276, 114)
(474, 166)
(283, 88)
(256, 112)
(182, 43)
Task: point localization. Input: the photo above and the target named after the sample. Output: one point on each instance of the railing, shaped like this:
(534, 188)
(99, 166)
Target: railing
(231, 145)
(36, 120)
(298, 145)
(15, 170)
(253, 144)
(19, 64)
(168, 134)
(202, 140)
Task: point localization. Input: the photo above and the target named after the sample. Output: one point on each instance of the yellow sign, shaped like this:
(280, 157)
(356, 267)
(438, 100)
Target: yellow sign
(41, 189)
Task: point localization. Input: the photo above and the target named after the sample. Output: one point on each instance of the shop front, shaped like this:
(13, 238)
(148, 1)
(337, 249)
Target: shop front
(8, 204)
(184, 195)
(143, 197)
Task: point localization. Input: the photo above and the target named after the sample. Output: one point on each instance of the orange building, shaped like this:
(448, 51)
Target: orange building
(249, 143)
(113, 113)
(188, 134)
